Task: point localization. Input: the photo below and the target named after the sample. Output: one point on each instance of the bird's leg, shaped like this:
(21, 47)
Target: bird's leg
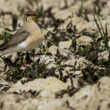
(28, 58)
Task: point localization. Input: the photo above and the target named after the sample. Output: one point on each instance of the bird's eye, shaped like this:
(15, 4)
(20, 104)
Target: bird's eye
(27, 14)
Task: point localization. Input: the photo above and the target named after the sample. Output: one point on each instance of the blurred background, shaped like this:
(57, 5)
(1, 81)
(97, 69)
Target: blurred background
(60, 9)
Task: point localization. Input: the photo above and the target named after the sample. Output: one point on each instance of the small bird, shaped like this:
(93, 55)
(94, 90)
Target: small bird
(28, 37)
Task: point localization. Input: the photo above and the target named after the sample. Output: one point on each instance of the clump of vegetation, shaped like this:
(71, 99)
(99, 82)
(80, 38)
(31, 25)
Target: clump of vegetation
(92, 73)
(19, 69)
(4, 35)
(14, 22)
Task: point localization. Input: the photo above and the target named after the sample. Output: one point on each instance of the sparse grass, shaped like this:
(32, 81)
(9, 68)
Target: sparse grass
(91, 74)
(80, 11)
(40, 11)
(66, 3)
(5, 35)
(14, 22)
(15, 72)
(103, 30)
(35, 69)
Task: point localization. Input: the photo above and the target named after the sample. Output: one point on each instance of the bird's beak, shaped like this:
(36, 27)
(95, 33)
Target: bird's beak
(31, 18)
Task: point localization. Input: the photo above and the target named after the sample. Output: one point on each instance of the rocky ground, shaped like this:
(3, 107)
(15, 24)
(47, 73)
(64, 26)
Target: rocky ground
(71, 69)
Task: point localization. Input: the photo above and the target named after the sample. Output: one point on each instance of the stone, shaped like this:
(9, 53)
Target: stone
(103, 55)
(65, 44)
(55, 85)
(51, 84)
(84, 40)
(89, 97)
(92, 97)
(53, 49)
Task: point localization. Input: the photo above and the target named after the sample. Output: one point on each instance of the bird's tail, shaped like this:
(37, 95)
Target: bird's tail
(3, 49)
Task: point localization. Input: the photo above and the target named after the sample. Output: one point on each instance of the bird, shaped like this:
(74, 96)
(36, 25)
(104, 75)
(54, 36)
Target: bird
(28, 37)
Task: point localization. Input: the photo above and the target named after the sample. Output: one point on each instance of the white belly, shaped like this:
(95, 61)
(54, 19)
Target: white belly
(22, 45)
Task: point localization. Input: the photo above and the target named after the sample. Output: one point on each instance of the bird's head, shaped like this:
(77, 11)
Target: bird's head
(30, 17)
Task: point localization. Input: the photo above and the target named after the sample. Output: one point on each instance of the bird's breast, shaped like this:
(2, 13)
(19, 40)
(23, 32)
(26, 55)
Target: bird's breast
(34, 39)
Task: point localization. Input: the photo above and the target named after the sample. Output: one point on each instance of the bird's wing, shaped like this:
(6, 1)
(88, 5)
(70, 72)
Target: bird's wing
(18, 37)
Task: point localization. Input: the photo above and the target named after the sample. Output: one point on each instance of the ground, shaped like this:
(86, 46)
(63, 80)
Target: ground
(70, 70)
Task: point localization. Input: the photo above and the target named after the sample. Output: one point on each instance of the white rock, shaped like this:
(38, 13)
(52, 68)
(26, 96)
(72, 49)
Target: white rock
(51, 84)
(65, 44)
(89, 97)
(53, 49)
(84, 40)
(103, 55)
(55, 85)
(92, 96)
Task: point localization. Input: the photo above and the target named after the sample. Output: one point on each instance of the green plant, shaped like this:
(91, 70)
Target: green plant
(14, 22)
(103, 30)
(5, 35)
(66, 3)
(80, 11)
(40, 11)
